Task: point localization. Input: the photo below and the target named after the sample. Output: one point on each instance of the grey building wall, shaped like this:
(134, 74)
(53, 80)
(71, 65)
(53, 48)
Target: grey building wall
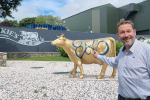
(108, 19)
(96, 20)
(103, 19)
(95, 17)
(98, 17)
(141, 18)
(80, 21)
(102, 16)
(112, 20)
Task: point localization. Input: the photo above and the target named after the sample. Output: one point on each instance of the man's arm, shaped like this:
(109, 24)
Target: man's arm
(112, 61)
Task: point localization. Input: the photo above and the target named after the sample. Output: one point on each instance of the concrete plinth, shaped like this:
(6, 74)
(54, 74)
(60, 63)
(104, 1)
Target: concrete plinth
(3, 58)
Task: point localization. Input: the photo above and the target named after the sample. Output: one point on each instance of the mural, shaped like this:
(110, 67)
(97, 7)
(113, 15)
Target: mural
(24, 38)
(15, 39)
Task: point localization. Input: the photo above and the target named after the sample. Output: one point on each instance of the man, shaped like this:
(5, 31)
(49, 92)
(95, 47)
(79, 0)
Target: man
(132, 62)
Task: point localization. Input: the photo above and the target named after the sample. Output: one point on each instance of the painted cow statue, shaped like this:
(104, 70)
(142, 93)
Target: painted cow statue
(80, 52)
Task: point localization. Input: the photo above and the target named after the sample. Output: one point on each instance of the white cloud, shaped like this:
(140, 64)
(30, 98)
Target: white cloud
(33, 8)
(62, 8)
(23, 12)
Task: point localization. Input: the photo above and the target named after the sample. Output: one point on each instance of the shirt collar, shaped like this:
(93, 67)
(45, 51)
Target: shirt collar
(132, 47)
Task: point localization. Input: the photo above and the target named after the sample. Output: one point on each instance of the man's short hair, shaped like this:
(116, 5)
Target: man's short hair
(122, 21)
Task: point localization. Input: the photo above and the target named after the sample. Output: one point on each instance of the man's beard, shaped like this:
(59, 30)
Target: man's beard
(126, 38)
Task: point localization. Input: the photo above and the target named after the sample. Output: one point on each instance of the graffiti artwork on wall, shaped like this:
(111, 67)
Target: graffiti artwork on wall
(24, 38)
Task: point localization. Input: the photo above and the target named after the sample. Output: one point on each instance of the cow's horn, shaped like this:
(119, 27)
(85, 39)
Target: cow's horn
(62, 35)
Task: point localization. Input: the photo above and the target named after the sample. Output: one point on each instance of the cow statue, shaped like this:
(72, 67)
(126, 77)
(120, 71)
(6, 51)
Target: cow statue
(80, 52)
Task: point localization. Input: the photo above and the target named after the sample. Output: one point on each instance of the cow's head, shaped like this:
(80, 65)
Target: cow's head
(60, 41)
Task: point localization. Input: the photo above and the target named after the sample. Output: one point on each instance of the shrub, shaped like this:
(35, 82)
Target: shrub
(118, 46)
(61, 50)
(148, 42)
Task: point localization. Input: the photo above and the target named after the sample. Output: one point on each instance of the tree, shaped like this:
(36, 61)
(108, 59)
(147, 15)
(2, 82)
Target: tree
(26, 21)
(40, 20)
(58, 21)
(6, 7)
(14, 22)
(48, 19)
(7, 22)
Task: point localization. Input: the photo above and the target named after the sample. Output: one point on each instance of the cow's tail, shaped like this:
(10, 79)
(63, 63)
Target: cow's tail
(113, 46)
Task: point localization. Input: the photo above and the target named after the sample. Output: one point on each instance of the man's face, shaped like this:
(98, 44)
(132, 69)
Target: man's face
(126, 34)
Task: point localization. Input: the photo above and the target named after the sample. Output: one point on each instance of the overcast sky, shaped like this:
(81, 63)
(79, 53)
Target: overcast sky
(62, 8)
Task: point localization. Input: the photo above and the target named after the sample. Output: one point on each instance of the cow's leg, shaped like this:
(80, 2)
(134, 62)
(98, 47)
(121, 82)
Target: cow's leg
(81, 70)
(104, 66)
(114, 73)
(74, 71)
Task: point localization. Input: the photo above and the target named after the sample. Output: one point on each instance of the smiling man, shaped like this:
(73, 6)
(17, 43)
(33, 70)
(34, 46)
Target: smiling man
(126, 33)
(132, 62)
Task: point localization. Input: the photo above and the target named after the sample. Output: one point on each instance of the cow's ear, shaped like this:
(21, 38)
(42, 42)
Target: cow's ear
(57, 36)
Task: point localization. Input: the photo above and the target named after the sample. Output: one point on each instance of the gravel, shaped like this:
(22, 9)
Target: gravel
(49, 80)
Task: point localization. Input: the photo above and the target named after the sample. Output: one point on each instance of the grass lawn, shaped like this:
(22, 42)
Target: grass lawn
(50, 58)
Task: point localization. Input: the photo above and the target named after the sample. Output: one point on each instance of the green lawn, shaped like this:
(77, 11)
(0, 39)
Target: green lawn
(50, 58)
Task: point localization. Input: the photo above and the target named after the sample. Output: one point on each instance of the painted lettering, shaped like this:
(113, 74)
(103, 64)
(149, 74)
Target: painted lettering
(15, 35)
(11, 33)
(3, 30)
(7, 32)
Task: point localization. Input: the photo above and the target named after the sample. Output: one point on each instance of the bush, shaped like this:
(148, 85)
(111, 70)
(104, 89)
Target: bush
(61, 50)
(118, 46)
(148, 42)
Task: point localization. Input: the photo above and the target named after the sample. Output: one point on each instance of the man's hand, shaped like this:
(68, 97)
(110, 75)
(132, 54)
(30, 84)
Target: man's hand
(95, 54)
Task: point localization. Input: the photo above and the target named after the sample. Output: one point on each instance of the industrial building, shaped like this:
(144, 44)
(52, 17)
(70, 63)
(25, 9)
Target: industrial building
(104, 19)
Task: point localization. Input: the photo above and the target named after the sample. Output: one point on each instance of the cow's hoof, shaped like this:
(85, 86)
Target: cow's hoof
(112, 76)
(81, 77)
(99, 77)
(71, 76)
